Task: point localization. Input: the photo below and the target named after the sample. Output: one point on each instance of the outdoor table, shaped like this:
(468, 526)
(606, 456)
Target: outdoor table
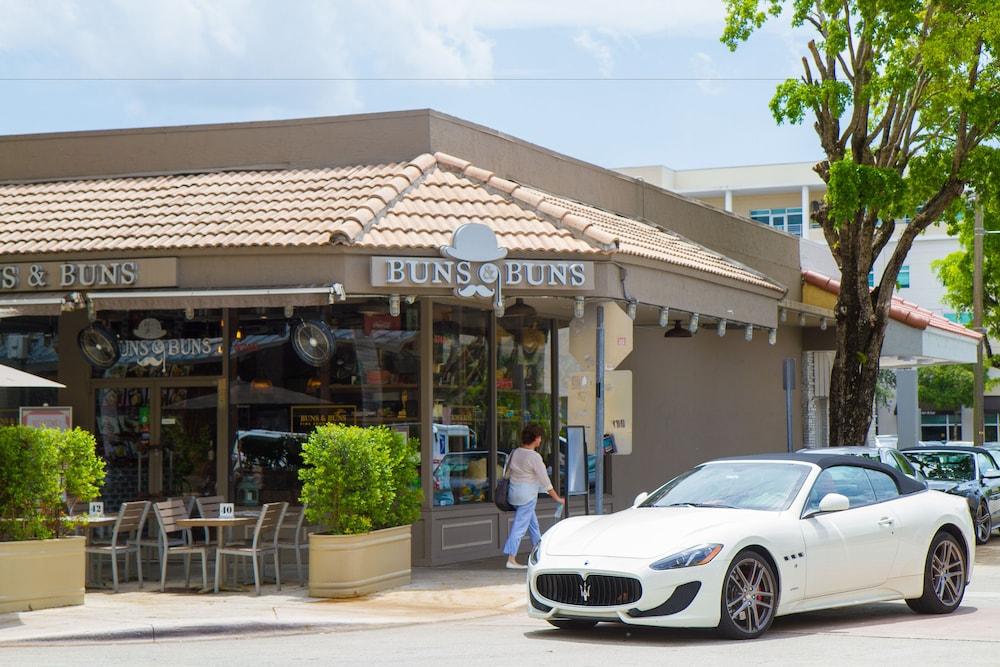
(91, 523)
(219, 523)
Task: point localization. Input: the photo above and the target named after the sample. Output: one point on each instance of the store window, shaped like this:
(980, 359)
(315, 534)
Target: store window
(991, 421)
(940, 427)
(903, 278)
(28, 344)
(352, 363)
(154, 343)
(461, 447)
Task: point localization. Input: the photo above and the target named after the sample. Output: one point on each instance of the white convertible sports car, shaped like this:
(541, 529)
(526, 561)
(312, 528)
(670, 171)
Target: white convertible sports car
(735, 542)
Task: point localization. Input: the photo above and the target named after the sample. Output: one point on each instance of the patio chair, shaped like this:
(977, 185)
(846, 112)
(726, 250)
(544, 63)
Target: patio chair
(208, 506)
(265, 540)
(152, 540)
(127, 527)
(174, 540)
(297, 542)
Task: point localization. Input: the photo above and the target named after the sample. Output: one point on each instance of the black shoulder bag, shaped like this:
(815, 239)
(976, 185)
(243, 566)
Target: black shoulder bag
(503, 487)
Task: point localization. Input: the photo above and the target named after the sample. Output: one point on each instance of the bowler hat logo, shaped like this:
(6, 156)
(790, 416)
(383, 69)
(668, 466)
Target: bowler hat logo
(474, 242)
(149, 329)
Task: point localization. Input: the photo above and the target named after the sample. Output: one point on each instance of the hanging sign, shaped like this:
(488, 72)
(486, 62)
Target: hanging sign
(475, 265)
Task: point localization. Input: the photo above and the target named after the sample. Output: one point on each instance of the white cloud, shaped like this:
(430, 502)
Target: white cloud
(600, 51)
(703, 67)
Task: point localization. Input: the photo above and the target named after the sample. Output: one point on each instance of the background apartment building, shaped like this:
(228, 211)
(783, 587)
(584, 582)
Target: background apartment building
(780, 196)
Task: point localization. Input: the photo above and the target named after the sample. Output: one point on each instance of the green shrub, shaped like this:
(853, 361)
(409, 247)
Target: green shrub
(39, 470)
(356, 479)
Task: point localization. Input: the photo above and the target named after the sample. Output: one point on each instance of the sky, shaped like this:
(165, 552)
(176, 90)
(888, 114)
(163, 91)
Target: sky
(616, 83)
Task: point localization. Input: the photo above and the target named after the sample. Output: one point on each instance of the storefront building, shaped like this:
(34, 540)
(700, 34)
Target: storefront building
(210, 294)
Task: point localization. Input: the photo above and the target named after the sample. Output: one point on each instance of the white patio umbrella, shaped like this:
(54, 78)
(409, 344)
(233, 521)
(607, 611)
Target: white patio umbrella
(11, 377)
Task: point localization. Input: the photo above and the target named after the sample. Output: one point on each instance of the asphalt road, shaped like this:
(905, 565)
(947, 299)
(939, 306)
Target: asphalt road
(884, 634)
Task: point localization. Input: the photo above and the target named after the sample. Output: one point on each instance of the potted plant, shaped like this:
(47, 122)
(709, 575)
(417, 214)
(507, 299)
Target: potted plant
(39, 470)
(362, 487)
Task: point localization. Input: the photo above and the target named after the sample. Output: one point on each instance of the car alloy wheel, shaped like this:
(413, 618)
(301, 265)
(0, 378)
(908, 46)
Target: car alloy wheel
(749, 597)
(984, 524)
(944, 577)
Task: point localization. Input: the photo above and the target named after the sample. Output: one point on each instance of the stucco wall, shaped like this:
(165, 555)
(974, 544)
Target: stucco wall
(703, 397)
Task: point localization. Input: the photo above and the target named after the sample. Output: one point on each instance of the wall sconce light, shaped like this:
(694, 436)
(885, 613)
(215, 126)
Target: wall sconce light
(314, 384)
(721, 328)
(748, 334)
(783, 314)
(411, 299)
(772, 336)
(91, 311)
(631, 309)
(261, 384)
(289, 312)
(578, 307)
(664, 317)
(394, 305)
(693, 324)
(822, 324)
(189, 313)
(802, 319)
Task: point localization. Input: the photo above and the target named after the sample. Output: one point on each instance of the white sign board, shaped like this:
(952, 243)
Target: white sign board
(58, 417)
(617, 407)
(618, 337)
(226, 510)
(96, 509)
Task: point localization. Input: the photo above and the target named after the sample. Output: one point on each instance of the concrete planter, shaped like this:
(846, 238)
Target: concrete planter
(342, 566)
(37, 574)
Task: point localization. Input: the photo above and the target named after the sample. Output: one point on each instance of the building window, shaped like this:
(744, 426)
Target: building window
(786, 219)
(28, 344)
(964, 319)
(940, 426)
(903, 279)
(871, 279)
(991, 422)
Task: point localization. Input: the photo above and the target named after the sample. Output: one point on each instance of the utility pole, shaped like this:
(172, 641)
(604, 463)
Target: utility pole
(978, 427)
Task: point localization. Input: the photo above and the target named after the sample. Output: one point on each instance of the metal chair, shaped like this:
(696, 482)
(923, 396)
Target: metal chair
(174, 540)
(128, 525)
(265, 539)
(208, 507)
(295, 517)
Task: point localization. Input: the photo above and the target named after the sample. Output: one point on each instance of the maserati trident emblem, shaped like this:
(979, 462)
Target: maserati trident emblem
(585, 591)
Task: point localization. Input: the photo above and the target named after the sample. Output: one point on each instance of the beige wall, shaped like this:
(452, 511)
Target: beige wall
(704, 397)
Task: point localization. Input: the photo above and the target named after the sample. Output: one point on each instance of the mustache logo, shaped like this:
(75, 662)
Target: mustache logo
(149, 361)
(475, 290)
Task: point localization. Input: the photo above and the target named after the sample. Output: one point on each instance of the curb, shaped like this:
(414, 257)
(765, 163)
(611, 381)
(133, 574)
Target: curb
(153, 633)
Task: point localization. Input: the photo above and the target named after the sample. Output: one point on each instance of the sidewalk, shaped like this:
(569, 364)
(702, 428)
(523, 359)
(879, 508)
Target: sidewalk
(468, 590)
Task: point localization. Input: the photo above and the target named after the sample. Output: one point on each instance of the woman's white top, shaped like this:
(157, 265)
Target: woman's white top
(528, 476)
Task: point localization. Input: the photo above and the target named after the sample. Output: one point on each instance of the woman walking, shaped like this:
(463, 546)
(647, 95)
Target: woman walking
(527, 479)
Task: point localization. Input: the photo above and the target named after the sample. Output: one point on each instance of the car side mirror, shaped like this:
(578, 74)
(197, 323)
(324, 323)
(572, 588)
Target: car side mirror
(834, 502)
(992, 473)
(639, 499)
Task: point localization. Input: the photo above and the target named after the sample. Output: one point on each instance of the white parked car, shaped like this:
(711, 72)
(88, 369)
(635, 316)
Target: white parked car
(735, 542)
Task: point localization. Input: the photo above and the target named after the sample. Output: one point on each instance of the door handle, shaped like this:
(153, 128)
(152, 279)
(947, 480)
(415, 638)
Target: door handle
(886, 521)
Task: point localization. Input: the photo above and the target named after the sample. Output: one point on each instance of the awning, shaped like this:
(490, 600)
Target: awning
(14, 306)
(263, 297)
(11, 377)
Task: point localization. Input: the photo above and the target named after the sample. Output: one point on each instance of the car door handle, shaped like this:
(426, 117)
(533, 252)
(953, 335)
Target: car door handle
(886, 521)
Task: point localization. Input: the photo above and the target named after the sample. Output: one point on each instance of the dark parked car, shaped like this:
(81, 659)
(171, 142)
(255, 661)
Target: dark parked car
(964, 471)
(883, 454)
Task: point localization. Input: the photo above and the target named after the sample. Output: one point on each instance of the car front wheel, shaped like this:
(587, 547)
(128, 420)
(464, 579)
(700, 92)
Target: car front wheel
(984, 524)
(749, 597)
(944, 577)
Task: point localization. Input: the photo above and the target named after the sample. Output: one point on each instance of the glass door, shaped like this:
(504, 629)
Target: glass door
(187, 434)
(124, 435)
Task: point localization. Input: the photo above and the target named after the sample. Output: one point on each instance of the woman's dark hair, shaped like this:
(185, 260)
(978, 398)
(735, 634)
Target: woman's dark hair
(530, 432)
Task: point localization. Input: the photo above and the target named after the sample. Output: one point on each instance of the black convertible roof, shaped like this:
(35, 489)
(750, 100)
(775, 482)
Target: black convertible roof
(905, 484)
(947, 448)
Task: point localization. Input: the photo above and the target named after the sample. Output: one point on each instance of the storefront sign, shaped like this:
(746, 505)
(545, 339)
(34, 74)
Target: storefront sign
(305, 418)
(100, 274)
(59, 417)
(474, 265)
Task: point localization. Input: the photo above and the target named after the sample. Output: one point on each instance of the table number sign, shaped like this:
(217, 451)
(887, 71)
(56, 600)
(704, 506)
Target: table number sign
(96, 508)
(226, 510)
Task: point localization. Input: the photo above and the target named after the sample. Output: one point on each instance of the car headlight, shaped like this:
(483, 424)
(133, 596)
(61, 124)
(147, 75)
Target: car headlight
(533, 558)
(699, 555)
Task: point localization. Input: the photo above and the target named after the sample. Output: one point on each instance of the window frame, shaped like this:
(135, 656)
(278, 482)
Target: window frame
(806, 513)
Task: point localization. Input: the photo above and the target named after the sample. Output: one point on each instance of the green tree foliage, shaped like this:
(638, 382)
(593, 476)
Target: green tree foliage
(946, 387)
(905, 99)
(355, 479)
(39, 470)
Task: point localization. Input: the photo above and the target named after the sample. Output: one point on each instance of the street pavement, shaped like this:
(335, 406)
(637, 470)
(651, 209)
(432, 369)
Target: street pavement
(470, 615)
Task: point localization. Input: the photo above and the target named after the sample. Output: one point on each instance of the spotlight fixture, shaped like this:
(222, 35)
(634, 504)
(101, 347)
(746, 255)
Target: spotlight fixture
(802, 319)
(822, 324)
(189, 313)
(631, 308)
(772, 336)
(289, 311)
(693, 324)
(91, 311)
(664, 317)
(411, 299)
(748, 334)
(721, 328)
(578, 307)
(499, 308)
(783, 314)
(677, 331)
(394, 305)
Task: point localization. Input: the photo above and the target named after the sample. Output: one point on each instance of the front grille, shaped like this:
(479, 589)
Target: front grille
(597, 590)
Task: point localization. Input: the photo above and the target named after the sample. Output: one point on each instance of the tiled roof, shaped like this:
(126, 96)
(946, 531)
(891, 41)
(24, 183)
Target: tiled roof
(416, 204)
(900, 310)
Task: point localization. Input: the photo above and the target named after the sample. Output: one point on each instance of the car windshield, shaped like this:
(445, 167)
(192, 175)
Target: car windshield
(945, 466)
(746, 485)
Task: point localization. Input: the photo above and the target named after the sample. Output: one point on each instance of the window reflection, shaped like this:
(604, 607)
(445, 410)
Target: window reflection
(524, 382)
(28, 344)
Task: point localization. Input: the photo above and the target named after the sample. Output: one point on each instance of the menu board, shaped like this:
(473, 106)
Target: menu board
(60, 417)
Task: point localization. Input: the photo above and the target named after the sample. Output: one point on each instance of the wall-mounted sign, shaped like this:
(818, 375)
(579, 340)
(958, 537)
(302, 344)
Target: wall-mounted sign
(97, 274)
(475, 265)
(60, 417)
